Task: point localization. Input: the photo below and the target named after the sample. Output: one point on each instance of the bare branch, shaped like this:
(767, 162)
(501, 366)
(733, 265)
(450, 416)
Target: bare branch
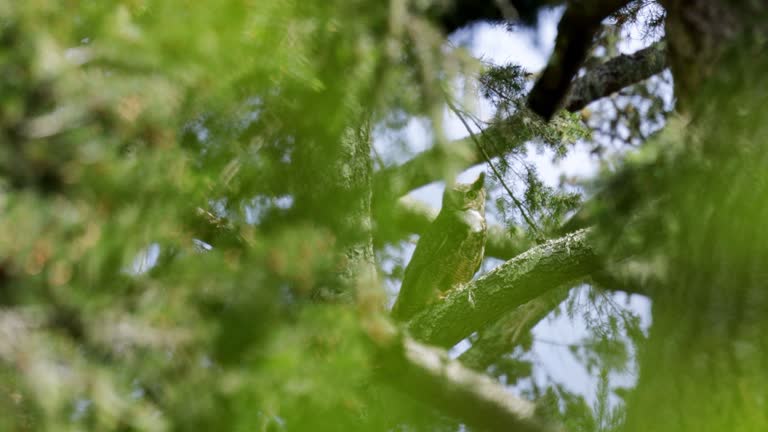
(517, 281)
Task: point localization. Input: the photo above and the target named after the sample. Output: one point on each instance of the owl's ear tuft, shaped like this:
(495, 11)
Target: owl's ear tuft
(480, 182)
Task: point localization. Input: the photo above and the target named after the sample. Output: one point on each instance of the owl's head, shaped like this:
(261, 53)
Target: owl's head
(465, 196)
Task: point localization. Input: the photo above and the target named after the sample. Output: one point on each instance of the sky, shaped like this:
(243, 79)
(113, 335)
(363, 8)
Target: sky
(531, 50)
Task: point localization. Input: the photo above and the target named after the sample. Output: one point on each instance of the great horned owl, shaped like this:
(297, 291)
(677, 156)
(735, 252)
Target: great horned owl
(448, 253)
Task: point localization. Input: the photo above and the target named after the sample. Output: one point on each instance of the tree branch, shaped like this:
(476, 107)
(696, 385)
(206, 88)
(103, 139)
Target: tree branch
(575, 33)
(428, 374)
(511, 330)
(615, 74)
(505, 334)
(519, 280)
(516, 130)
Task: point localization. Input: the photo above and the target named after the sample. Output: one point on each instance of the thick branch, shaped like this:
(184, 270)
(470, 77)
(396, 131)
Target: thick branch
(615, 74)
(504, 335)
(575, 33)
(428, 374)
(511, 330)
(519, 280)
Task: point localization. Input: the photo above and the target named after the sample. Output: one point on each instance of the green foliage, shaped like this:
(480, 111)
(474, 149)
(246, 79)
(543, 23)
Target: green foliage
(123, 132)
(179, 196)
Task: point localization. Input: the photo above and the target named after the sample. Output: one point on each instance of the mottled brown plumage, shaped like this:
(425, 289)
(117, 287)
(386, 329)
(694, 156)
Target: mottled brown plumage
(449, 252)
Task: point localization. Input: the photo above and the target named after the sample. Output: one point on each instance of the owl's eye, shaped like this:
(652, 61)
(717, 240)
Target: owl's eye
(472, 195)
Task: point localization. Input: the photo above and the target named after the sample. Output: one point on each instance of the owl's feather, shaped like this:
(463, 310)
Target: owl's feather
(448, 254)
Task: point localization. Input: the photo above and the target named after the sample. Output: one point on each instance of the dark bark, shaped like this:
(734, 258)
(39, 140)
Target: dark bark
(575, 33)
(462, 13)
(698, 33)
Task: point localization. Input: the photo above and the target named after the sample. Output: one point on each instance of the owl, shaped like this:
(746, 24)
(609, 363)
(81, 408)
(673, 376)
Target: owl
(448, 253)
